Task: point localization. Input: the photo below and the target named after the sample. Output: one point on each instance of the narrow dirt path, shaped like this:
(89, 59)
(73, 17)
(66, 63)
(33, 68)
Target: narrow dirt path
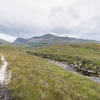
(3, 69)
(4, 80)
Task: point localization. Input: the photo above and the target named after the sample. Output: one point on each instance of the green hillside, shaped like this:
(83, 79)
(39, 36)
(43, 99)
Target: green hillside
(35, 79)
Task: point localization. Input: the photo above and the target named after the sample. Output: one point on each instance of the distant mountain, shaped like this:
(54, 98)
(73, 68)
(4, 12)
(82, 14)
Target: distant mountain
(3, 42)
(50, 39)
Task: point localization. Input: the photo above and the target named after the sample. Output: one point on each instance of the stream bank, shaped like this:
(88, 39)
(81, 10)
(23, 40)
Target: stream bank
(71, 69)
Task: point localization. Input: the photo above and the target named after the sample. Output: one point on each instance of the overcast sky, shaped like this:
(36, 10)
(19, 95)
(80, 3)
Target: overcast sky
(27, 18)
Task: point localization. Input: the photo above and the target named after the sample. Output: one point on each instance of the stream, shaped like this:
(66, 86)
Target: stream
(67, 67)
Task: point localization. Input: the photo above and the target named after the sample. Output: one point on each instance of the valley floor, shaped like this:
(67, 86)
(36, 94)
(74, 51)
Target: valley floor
(33, 78)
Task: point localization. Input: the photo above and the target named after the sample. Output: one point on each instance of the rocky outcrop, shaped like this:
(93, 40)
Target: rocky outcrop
(84, 69)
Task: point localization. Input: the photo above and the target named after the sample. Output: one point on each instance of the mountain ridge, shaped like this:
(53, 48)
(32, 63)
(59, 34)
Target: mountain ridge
(49, 39)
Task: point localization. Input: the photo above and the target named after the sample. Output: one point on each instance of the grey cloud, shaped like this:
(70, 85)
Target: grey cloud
(26, 18)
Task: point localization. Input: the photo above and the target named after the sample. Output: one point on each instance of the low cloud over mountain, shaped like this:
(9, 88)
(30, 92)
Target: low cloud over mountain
(27, 18)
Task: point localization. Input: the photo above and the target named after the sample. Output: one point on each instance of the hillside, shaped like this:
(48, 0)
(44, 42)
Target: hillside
(48, 39)
(3, 42)
(33, 78)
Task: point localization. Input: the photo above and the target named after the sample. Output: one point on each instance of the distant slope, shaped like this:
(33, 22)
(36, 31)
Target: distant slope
(3, 42)
(49, 39)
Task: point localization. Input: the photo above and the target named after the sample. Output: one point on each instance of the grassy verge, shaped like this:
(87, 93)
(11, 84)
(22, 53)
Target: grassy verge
(35, 79)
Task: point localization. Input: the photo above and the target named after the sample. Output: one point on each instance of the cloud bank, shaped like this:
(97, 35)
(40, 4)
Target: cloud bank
(7, 37)
(74, 18)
